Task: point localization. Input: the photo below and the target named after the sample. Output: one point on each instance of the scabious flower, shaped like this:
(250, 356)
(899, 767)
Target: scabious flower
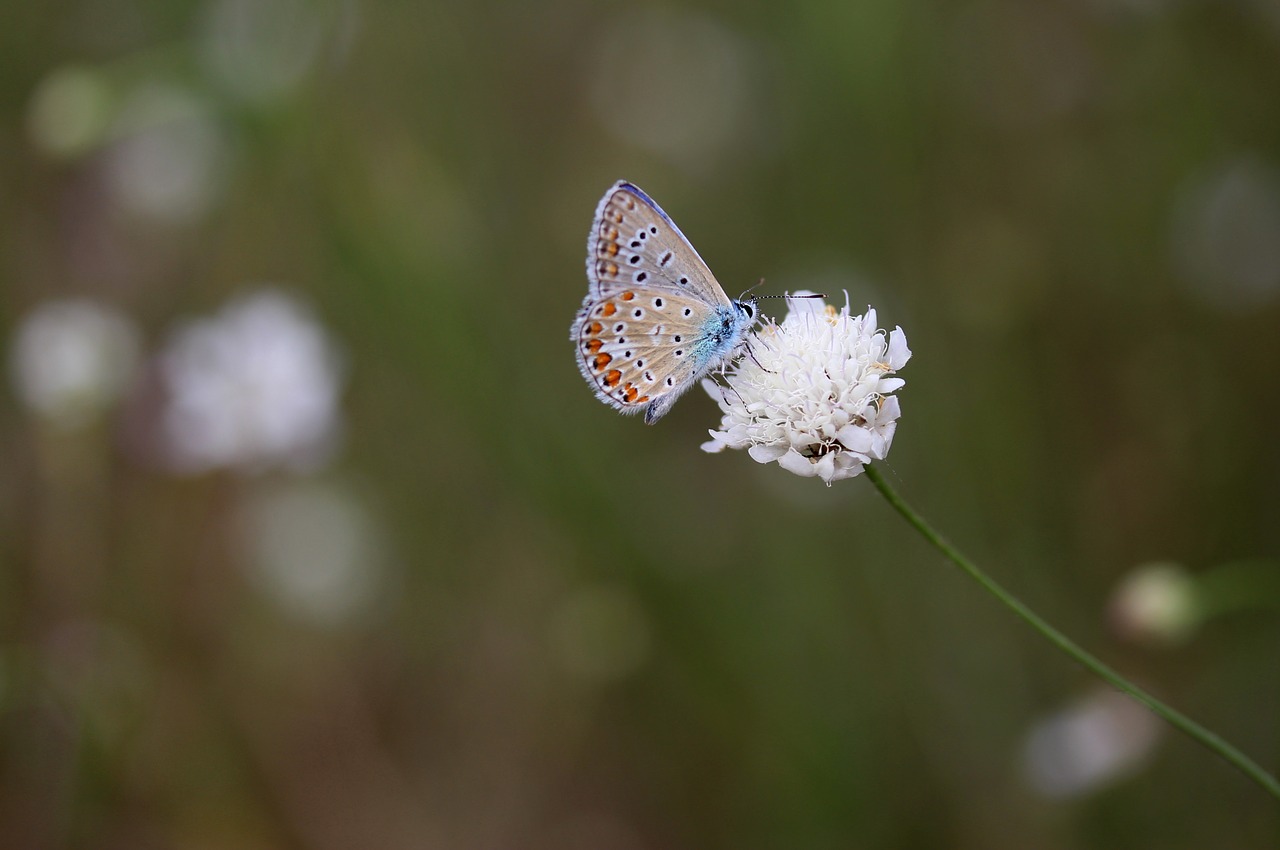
(254, 387)
(1099, 739)
(72, 359)
(814, 392)
(1157, 603)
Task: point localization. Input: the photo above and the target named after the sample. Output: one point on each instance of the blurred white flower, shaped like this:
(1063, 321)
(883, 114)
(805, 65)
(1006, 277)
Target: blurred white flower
(314, 550)
(651, 105)
(1156, 603)
(170, 154)
(1226, 234)
(71, 359)
(261, 49)
(253, 387)
(1099, 739)
(813, 394)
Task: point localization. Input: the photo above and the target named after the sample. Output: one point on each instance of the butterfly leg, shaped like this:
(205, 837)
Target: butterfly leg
(752, 354)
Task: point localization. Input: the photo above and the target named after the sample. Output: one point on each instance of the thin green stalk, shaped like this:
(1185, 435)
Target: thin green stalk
(1173, 717)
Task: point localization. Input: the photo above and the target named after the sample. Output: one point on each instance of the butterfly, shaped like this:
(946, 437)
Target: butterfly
(654, 320)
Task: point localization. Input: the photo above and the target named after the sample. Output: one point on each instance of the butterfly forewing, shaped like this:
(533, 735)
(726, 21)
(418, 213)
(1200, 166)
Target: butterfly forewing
(633, 243)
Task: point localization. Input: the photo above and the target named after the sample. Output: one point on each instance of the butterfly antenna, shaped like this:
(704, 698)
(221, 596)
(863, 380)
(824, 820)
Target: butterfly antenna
(760, 283)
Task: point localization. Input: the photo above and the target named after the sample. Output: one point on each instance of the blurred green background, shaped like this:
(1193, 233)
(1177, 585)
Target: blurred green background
(313, 537)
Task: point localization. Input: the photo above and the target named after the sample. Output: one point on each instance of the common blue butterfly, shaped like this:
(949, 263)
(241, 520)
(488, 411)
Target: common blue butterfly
(654, 320)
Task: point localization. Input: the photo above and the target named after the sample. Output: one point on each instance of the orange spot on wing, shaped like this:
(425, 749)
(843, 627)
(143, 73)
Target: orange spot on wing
(602, 360)
(609, 308)
(610, 248)
(594, 345)
(627, 296)
(642, 399)
(596, 327)
(611, 379)
(632, 392)
(611, 269)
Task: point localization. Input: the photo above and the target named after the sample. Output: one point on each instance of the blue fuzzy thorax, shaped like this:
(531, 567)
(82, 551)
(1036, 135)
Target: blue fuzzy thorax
(722, 333)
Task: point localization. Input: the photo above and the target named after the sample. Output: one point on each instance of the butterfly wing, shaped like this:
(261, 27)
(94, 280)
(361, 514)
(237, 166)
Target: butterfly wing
(654, 319)
(642, 352)
(633, 243)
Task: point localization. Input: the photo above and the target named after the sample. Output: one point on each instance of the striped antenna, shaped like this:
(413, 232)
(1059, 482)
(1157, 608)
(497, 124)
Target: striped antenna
(762, 297)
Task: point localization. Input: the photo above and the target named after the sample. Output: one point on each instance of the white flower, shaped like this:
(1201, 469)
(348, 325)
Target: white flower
(814, 392)
(1157, 603)
(254, 387)
(72, 359)
(314, 549)
(1102, 737)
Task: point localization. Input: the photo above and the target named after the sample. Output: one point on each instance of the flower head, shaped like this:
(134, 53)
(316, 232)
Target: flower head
(72, 359)
(254, 387)
(814, 392)
(1084, 746)
(1157, 603)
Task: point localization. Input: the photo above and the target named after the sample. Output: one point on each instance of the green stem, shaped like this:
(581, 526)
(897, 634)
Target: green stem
(1173, 717)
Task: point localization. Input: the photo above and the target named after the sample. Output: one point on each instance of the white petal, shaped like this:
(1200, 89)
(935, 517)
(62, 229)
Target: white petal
(883, 440)
(855, 438)
(767, 453)
(866, 387)
(848, 472)
(738, 436)
(826, 467)
(899, 354)
(793, 461)
(716, 444)
(890, 409)
(888, 385)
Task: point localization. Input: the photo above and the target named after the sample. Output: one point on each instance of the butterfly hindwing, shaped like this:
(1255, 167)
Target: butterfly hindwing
(641, 347)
